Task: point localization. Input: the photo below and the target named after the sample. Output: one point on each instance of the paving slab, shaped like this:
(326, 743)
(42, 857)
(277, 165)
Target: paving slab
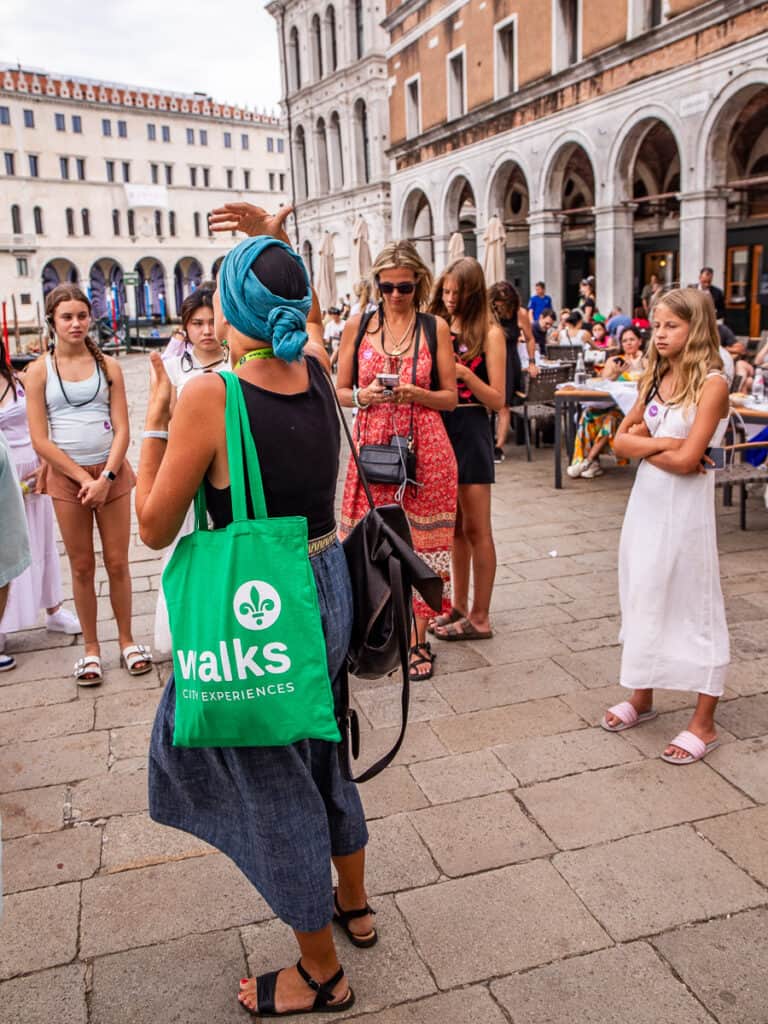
(46, 762)
(593, 669)
(474, 928)
(683, 879)
(32, 810)
(40, 723)
(480, 834)
(105, 795)
(135, 841)
(130, 741)
(382, 704)
(193, 980)
(612, 802)
(155, 904)
(510, 596)
(612, 986)
(748, 640)
(38, 929)
(39, 694)
(391, 792)
(448, 779)
(593, 634)
(725, 963)
(744, 677)
(591, 705)
(33, 862)
(511, 620)
(54, 995)
(41, 666)
(129, 708)
(390, 973)
(396, 857)
(490, 728)
(745, 765)
(465, 1006)
(420, 744)
(511, 684)
(569, 753)
(745, 717)
(743, 835)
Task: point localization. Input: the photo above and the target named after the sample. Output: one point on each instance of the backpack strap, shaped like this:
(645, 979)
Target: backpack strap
(365, 320)
(429, 328)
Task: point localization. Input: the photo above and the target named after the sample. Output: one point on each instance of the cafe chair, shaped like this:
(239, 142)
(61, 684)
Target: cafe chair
(738, 473)
(538, 406)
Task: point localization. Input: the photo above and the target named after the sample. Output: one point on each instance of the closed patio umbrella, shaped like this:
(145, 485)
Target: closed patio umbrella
(326, 279)
(455, 246)
(361, 252)
(494, 263)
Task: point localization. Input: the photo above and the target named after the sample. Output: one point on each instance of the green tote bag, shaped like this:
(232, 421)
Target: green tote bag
(249, 653)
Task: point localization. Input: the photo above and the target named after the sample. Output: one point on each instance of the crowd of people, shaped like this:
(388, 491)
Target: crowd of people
(423, 364)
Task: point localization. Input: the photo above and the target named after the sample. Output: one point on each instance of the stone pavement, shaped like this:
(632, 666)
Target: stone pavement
(526, 866)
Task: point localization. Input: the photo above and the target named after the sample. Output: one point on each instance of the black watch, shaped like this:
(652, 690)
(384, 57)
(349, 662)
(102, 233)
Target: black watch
(109, 475)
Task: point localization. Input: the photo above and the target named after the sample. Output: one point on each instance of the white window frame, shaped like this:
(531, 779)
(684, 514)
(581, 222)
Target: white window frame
(558, 64)
(639, 16)
(409, 133)
(459, 51)
(499, 90)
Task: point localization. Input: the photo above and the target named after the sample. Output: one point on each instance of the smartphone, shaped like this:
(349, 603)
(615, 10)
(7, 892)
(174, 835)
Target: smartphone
(388, 381)
(718, 458)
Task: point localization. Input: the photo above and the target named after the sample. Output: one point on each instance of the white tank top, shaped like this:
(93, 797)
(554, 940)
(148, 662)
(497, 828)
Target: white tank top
(82, 431)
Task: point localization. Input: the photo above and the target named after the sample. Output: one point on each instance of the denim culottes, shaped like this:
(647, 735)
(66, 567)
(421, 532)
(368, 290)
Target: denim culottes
(279, 813)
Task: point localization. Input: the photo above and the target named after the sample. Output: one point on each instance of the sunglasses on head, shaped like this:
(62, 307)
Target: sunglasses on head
(406, 288)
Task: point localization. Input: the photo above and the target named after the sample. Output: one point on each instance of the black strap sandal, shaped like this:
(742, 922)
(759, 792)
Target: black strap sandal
(266, 986)
(421, 654)
(342, 919)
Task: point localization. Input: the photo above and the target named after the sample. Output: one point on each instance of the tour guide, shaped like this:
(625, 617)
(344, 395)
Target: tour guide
(280, 812)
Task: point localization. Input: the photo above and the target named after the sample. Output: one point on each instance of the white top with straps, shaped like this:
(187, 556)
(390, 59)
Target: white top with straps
(83, 432)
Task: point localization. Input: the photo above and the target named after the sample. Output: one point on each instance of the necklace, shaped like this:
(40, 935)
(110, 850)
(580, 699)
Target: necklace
(256, 353)
(399, 346)
(78, 405)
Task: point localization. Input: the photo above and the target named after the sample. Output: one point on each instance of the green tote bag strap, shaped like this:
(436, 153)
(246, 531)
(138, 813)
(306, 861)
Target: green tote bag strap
(242, 457)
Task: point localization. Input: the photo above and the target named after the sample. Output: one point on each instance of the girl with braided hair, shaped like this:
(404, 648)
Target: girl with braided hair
(78, 422)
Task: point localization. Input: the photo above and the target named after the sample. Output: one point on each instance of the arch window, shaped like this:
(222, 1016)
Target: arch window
(131, 223)
(115, 222)
(300, 148)
(316, 46)
(323, 172)
(294, 59)
(359, 30)
(362, 142)
(332, 49)
(69, 215)
(172, 223)
(16, 219)
(337, 152)
(85, 216)
(37, 213)
(158, 223)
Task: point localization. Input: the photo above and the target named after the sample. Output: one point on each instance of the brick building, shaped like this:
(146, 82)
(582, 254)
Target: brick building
(614, 137)
(100, 179)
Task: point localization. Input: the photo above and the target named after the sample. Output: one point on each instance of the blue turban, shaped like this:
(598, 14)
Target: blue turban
(251, 307)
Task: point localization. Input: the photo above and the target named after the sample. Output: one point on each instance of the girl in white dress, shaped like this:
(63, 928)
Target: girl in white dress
(201, 353)
(674, 631)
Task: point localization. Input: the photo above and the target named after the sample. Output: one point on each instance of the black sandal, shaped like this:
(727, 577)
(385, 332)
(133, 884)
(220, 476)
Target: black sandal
(266, 986)
(342, 919)
(421, 654)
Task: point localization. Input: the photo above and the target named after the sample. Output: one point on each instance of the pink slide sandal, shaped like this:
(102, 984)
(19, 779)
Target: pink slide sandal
(628, 717)
(696, 748)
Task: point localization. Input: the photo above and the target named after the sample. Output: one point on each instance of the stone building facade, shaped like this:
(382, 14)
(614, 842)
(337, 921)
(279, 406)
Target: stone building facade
(614, 138)
(101, 179)
(334, 72)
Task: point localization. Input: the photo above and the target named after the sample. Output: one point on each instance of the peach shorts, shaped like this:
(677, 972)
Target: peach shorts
(61, 487)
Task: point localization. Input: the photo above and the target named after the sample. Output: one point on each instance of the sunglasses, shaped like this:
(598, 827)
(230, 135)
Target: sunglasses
(406, 288)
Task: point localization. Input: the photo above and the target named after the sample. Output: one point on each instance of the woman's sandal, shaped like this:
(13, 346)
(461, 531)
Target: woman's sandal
(266, 986)
(421, 654)
(342, 919)
(136, 654)
(444, 620)
(462, 629)
(87, 670)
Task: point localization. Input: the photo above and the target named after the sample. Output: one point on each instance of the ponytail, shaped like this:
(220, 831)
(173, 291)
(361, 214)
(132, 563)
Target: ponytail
(98, 355)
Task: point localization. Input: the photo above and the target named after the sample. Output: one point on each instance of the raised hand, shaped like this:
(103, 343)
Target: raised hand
(251, 220)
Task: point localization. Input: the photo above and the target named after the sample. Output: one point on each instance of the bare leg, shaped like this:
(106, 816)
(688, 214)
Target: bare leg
(502, 426)
(318, 958)
(114, 522)
(476, 514)
(76, 526)
(702, 724)
(461, 560)
(597, 447)
(4, 591)
(351, 893)
(418, 636)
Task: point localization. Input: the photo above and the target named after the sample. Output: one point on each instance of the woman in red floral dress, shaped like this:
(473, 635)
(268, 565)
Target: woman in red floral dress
(387, 345)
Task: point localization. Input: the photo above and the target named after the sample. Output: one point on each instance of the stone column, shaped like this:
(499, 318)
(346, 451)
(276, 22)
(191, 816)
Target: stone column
(440, 247)
(614, 256)
(546, 250)
(703, 224)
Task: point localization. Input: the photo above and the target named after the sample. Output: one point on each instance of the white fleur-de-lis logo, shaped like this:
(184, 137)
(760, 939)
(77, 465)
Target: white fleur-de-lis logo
(256, 605)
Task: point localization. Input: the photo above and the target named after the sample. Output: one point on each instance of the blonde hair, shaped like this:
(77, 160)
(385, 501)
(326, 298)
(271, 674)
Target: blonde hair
(404, 254)
(701, 354)
(362, 290)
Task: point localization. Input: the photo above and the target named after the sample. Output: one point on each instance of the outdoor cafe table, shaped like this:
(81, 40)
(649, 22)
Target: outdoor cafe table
(568, 403)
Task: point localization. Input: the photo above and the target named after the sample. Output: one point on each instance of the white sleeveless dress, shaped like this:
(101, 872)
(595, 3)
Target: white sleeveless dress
(674, 631)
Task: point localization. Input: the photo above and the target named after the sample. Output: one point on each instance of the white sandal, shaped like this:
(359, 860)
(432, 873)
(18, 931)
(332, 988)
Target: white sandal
(89, 665)
(131, 656)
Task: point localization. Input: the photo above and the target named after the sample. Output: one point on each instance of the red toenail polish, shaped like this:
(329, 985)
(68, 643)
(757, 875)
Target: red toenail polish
(243, 981)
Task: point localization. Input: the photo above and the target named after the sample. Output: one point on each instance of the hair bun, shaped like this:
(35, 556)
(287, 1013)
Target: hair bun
(288, 329)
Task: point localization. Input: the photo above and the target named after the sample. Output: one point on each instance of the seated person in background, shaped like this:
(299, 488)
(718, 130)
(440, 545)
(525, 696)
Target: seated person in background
(640, 320)
(598, 426)
(573, 333)
(542, 329)
(600, 337)
(617, 321)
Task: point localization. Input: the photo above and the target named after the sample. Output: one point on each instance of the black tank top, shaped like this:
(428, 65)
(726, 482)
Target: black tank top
(297, 441)
(477, 365)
